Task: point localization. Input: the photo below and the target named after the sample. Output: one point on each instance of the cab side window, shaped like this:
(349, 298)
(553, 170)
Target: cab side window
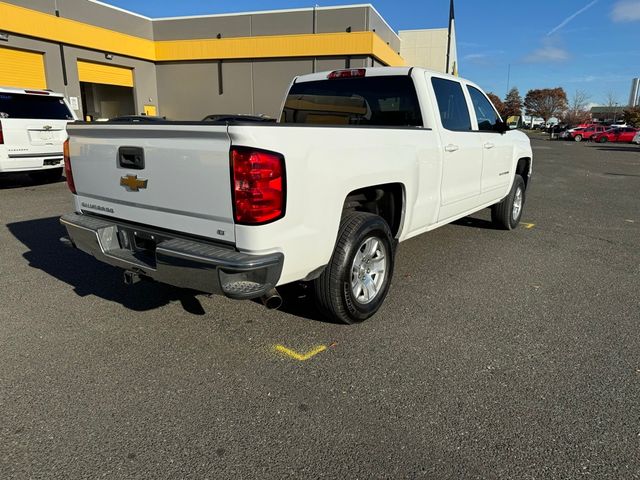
(485, 113)
(451, 104)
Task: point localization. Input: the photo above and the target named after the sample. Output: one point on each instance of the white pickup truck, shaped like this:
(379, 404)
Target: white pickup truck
(360, 160)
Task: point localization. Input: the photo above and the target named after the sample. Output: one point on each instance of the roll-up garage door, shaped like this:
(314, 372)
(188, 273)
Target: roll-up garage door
(22, 69)
(91, 72)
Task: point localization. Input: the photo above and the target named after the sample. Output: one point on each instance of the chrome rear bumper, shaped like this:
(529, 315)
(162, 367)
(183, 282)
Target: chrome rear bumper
(181, 262)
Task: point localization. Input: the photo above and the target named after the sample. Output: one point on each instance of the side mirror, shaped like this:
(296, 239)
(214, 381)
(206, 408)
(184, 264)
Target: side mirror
(502, 127)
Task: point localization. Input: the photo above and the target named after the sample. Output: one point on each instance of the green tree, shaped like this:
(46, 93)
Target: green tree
(512, 104)
(546, 103)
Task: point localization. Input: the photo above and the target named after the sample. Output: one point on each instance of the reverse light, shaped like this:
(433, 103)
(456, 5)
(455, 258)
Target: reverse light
(258, 185)
(349, 73)
(68, 174)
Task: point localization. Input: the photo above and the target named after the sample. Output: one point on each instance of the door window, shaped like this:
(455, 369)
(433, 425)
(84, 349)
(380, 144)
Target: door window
(451, 104)
(485, 113)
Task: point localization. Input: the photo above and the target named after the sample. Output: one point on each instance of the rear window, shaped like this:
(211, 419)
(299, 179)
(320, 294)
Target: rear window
(372, 101)
(20, 105)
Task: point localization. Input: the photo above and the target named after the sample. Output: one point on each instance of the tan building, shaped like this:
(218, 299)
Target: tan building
(110, 61)
(424, 48)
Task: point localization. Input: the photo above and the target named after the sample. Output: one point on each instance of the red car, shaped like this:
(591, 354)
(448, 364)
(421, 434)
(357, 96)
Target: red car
(625, 134)
(580, 134)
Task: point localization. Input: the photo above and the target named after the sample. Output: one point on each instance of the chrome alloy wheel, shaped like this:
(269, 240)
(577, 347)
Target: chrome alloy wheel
(517, 204)
(368, 270)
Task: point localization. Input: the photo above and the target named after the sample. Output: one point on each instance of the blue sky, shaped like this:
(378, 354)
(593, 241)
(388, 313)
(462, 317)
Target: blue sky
(588, 45)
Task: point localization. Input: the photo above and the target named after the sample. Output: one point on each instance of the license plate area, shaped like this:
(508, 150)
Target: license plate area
(43, 136)
(141, 244)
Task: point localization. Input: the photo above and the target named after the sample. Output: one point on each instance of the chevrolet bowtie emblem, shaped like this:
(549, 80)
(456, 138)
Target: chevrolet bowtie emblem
(133, 183)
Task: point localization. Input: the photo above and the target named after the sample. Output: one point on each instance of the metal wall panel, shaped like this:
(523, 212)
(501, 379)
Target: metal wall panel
(339, 19)
(201, 97)
(106, 17)
(287, 23)
(271, 79)
(202, 27)
(46, 6)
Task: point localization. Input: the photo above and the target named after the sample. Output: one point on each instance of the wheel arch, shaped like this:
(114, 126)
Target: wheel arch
(388, 200)
(523, 168)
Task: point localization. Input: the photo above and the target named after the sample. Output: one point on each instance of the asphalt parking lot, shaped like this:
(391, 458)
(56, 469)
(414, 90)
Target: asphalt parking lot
(496, 355)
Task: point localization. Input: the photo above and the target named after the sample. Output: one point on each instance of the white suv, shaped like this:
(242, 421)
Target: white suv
(32, 132)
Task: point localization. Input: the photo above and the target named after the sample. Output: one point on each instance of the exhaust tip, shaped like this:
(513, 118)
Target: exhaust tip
(272, 299)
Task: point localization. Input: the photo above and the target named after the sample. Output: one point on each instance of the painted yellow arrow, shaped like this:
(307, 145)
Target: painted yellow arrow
(528, 225)
(300, 356)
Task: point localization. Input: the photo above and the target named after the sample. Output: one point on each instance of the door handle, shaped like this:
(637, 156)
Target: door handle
(451, 148)
(489, 145)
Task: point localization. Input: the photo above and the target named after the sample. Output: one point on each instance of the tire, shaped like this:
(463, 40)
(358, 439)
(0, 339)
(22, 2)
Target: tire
(505, 215)
(578, 138)
(46, 176)
(603, 140)
(339, 293)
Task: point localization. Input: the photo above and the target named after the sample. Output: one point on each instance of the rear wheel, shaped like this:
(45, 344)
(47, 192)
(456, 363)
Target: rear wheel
(507, 214)
(603, 140)
(46, 176)
(355, 283)
(578, 138)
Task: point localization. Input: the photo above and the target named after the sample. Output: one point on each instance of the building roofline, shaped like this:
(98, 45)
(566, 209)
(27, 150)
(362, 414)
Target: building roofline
(422, 29)
(381, 18)
(123, 10)
(285, 10)
(262, 12)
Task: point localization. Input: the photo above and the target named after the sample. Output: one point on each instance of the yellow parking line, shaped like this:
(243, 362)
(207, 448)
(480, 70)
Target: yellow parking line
(528, 225)
(300, 356)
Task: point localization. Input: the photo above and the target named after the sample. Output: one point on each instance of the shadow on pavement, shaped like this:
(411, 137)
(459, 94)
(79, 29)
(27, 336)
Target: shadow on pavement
(87, 275)
(628, 148)
(297, 300)
(21, 180)
(475, 223)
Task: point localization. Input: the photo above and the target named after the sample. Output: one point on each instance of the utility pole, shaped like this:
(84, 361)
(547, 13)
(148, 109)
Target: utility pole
(508, 79)
(451, 18)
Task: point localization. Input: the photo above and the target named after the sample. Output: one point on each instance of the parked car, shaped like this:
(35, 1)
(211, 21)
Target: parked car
(636, 138)
(32, 132)
(586, 133)
(238, 118)
(138, 119)
(323, 197)
(616, 135)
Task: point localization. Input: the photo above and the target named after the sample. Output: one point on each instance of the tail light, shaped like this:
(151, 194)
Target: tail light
(349, 73)
(67, 167)
(1, 135)
(258, 185)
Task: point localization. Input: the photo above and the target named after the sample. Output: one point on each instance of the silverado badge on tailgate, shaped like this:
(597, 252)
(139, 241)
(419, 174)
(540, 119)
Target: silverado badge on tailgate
(133, 183)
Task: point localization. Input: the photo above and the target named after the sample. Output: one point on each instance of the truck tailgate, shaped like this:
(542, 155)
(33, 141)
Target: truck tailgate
(175, 177)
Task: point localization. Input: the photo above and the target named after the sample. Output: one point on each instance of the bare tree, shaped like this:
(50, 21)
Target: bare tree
(577, 112)
(612, 99)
